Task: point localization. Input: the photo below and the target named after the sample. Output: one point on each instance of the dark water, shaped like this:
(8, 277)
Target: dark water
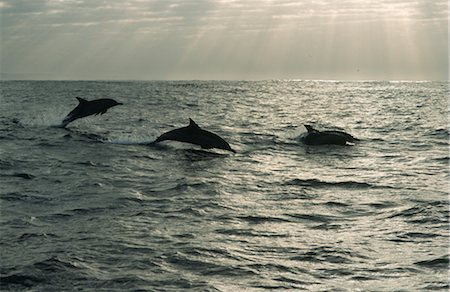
(94, 208)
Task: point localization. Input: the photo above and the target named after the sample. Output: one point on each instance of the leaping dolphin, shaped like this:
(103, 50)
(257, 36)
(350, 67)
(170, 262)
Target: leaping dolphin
(87, 108)
(195, 135)
(316, 137)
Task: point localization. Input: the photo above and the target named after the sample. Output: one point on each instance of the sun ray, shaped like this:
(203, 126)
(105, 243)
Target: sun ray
(218, 39)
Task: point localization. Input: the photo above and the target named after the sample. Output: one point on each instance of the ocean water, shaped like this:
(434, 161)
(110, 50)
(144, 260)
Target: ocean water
(94, 208)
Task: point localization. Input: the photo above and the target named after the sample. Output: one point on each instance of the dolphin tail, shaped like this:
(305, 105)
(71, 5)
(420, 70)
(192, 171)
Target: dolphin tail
(70, 116)
(68, 119)
(159, 139)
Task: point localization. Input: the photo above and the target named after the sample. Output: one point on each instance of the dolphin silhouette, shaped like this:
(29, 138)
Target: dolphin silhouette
(87, 108)
(195, 135)
(316, 137)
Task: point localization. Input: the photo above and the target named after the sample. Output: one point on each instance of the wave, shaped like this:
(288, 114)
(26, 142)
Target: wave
(19, 280)
(24, 197)
(318, 218)
(432, 214)
(262, 219)
(6, 164)
(43, 272)
(38, 236)
(84, 136)
(329, 254)
(415, 237)
(23, 175)
(324, 184)
(443, 159)
(442, 262)
(77, 212)
(440, 133)
(186, 262)
(129, 141)
(248, 233)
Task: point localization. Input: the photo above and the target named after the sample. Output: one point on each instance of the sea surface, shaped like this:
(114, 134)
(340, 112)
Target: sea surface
(95, 208)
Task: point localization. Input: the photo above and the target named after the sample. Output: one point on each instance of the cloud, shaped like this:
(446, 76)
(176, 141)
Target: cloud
(172, 38)
(21, 16)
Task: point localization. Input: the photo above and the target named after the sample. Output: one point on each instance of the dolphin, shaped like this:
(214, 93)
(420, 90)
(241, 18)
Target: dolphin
(87, 108)
(316, 137)
(195, 135)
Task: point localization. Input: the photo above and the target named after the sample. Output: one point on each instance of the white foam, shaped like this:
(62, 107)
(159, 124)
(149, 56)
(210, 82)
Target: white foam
(129, 140)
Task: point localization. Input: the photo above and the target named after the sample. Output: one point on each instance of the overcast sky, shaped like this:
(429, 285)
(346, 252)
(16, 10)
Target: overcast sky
(224, 39)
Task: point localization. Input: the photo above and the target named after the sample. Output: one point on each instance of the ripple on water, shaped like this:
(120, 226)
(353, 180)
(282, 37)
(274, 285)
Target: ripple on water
(435, 263)
(338, 184)
(94, 208)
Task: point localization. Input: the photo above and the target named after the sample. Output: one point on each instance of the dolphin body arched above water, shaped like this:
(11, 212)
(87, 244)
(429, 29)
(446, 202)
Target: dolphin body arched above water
(195, 135)
(316, 137)
(87, 108)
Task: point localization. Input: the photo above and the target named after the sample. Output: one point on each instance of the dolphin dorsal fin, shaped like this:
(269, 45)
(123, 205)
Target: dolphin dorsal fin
(193, 124)
(310, 129)
(81, 100)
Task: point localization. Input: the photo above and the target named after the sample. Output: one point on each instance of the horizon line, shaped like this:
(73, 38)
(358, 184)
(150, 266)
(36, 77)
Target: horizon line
(231, 80)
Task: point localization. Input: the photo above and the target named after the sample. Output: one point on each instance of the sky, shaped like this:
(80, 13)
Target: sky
(224, 39)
